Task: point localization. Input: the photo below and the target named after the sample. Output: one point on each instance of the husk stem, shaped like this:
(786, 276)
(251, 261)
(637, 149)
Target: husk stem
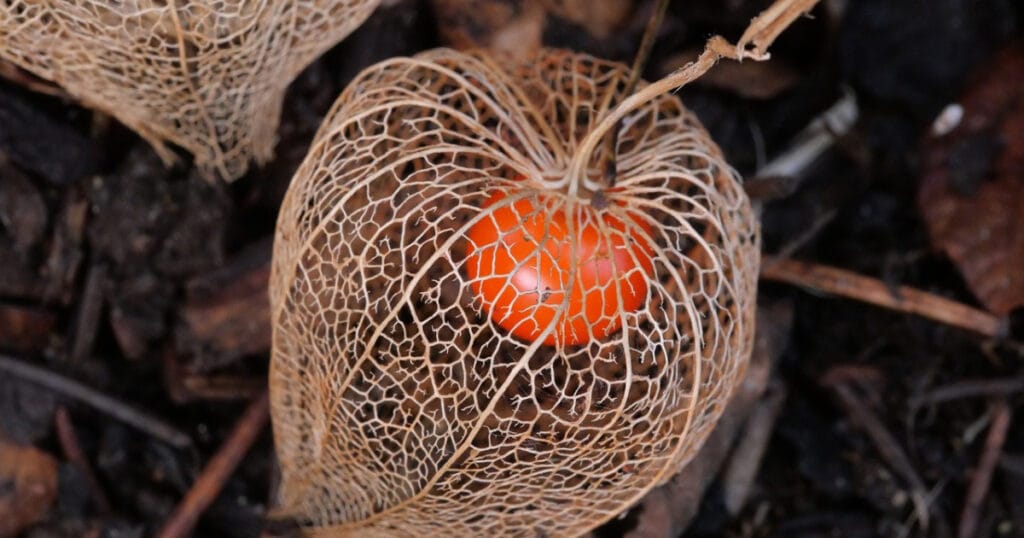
(753, 45)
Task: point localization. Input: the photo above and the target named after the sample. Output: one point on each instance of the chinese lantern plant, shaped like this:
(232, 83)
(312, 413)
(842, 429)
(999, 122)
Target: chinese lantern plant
(207, 75)
(475, 331)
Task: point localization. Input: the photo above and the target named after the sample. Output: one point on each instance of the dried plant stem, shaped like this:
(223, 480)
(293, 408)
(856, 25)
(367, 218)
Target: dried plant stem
(87, 319)
(767, 26)
(861, 415)
(93, 398)
(740, 472)
(219, 468)
(73, 452)
(971, 388)
(871, 290)
(643, 54)
(982, 476)
(754, 43)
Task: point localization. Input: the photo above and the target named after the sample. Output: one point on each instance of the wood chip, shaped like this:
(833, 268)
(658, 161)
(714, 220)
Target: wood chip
(29, 479)
(227, 312)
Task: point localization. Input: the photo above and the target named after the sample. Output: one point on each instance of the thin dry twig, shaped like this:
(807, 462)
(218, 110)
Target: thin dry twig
(209, 483)
(871, 290)
(982, 476)
(887, 446)
(87, 319)
(184, 387)
(767, 26)
(643, 54)
(803, 238)
(73, 452)
(782, 176)
(224, 387)
(971, 388)
(815, 139)
(741, 472)
(101, 402)
(1012, 463)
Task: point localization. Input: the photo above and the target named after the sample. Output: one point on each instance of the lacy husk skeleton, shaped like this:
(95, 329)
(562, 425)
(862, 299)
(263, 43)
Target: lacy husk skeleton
(400, 407)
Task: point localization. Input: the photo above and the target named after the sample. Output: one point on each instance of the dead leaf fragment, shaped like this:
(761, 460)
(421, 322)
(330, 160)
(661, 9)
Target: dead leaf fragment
(28, 486)
(972, 188)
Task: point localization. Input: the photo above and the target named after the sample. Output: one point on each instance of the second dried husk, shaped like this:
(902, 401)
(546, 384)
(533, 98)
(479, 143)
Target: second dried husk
(207, 75)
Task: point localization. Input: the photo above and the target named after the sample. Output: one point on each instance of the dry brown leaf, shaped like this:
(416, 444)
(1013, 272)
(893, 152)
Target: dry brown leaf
(401, 408)
(972, 189)
(207, 75)
(28, 486)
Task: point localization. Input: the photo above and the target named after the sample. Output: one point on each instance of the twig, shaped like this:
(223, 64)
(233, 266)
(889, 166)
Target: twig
(803, 238)
(739, 476)
(643, 54)
(819, 135)
(1012, 463)
(870, 290)
(183, 387)
(87, 319)
(767, 26)
(969, 389)
(73, 452)
(982, 477)
(101, 402)
(224, 387)
(860, 374)
(206, 488)
(887, 446)
(783, 175)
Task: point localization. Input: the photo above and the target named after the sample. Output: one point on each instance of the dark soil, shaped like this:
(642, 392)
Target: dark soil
(146, 282)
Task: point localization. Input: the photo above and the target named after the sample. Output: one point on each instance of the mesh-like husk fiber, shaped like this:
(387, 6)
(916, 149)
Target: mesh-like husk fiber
(400, 407)
(207, 75)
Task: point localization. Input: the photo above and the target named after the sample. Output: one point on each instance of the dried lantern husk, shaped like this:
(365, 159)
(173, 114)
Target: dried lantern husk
(207, 75)
(400, 407)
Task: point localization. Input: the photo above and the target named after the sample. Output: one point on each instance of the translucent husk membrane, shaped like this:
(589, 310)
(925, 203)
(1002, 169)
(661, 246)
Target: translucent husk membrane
(207, 75)
(400, 407)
